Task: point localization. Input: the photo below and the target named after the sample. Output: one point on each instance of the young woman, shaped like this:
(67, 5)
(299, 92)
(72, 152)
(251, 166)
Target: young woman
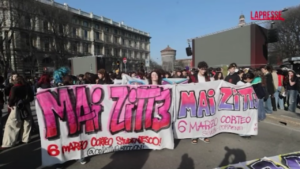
(155, 78)
(218, 76)
(103, 77)
(259, 86)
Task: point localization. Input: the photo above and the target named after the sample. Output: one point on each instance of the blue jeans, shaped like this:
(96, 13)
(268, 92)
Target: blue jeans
(279, 101)
(268, 105)
(292, 100)
(261, 110)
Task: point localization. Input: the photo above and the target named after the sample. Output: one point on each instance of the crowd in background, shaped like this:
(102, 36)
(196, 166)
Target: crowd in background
(275, 89)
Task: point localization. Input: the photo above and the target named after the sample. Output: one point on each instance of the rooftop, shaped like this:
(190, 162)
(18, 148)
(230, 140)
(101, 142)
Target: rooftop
(167, 49)
(92, 16)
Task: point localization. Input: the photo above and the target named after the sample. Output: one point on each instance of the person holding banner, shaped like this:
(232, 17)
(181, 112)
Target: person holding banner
(155, 78)
(233, 77)
(201, 77)
(103, 77)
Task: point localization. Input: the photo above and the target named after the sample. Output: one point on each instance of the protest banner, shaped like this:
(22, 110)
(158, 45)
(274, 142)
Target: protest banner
(133, 80)
(80, 121)
(206, 109)
(166, 81)
(283, 161)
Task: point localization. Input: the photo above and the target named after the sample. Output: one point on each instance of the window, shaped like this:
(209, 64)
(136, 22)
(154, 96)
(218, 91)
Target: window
(85, 23)
(27, 22)
(106, 38)
(61, 29)
(108, 52)
(86, 34)
(129, 43)
(74, 31)
(74, 20)
(106, 29)
(74, 46)
(129, 53)
(97, 26)
(98, 50)
(116, 31)
(46, 44)
(45, 25)
(123, 41)
(116, 53)
(116, 39)
(86, 48)
(124, 53)
(97, 36)
(135, 45)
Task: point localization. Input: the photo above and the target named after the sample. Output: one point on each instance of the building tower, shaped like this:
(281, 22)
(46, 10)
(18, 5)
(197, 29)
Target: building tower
(242, 21)
(168, 56)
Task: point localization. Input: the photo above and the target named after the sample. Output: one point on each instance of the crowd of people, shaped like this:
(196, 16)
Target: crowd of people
(275, 89)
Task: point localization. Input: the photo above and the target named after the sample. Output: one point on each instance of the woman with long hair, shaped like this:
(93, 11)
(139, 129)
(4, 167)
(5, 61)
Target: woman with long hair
(218, 76)
(259, 86)
(104, 77)
(155, 78)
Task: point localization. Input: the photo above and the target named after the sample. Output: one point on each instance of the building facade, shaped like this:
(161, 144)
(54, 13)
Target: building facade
(168, 56)
(183, 63)
(87, 34)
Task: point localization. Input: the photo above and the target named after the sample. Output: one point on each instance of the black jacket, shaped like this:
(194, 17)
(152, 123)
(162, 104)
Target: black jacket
(21, 92)
(234, 78)
(270, 84)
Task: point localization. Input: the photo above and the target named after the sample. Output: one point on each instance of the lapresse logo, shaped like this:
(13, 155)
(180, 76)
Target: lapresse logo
(266, 15)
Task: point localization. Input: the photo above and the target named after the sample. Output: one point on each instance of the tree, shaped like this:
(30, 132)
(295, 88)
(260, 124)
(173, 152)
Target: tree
(59, 21)
(7, 21)
(288, 44)
(27, 51)
(154, 65)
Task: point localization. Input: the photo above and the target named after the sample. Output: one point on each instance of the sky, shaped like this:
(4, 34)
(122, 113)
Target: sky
(172, 22)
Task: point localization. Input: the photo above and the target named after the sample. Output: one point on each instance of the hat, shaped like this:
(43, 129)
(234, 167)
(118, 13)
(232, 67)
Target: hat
(232, 65)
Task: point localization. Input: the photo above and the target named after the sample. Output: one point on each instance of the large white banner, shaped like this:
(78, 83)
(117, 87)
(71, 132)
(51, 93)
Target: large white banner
(81, 121)
(85, 120)
(206, 109)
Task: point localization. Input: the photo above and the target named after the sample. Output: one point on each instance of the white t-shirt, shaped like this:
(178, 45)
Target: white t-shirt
(240, 83)
(201, 79)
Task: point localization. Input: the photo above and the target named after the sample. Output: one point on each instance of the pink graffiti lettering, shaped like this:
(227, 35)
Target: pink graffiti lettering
(75, 112)
(247, 94)
(226, 93)
(187, 104)
(136, 107)
(230, 99)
